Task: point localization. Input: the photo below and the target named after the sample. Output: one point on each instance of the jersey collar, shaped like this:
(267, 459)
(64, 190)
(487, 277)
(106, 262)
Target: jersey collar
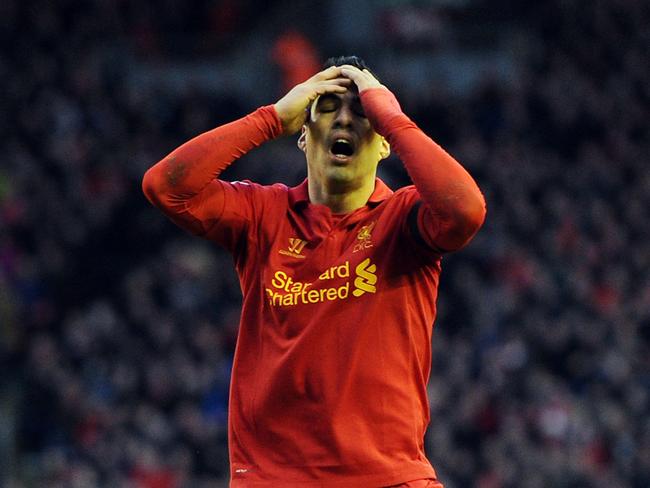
(300, 194)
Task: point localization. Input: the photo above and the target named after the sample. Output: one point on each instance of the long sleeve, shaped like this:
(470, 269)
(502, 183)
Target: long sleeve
(453, 207)
(184, 184)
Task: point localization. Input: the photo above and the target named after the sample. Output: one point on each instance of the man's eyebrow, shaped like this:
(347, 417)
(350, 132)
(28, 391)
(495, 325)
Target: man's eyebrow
(338, 96)
(329, 96)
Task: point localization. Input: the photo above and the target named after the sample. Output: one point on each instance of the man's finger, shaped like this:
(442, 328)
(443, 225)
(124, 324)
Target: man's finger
(331, 72)
(339, 85)
(352, 73)
(368, 73)
(349, 66)
(330, 88)
(336, 81)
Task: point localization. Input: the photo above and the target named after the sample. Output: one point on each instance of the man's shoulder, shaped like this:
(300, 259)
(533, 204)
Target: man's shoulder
(404, 196)
(258, 190)
(256, 196)
(404, 191)
(259, 187)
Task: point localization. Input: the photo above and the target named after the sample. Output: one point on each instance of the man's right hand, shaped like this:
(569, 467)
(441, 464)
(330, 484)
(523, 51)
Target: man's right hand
(292, 107)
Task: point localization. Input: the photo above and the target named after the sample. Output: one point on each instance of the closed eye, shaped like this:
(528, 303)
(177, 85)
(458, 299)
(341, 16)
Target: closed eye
(331, 103)
(328, 103)
(357, 108)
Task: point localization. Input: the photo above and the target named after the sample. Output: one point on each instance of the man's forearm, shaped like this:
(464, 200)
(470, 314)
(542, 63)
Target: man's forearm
(185, 172)
(444, 185)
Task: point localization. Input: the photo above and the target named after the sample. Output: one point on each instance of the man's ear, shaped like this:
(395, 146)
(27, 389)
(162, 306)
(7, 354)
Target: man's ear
(302, 142)
(384, 152)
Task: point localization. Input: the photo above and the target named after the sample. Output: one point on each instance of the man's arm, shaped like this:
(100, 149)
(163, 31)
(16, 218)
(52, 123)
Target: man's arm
(183, 184)
(453, 207)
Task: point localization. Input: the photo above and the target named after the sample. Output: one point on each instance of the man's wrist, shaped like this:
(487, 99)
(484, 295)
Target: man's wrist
(270, 116)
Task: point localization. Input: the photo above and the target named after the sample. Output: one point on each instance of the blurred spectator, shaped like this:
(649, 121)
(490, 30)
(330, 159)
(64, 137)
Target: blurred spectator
(116, 334)
(297, 58)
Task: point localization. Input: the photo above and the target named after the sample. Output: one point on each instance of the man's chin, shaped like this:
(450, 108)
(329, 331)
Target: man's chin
(340, 174)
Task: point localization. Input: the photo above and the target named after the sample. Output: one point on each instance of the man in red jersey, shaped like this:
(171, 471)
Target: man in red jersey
(339, 278)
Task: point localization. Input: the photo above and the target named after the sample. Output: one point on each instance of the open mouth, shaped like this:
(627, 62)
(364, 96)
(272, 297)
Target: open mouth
(342, 148)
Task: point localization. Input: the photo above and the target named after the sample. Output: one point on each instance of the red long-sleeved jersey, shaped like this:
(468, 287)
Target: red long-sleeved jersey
(333, 354)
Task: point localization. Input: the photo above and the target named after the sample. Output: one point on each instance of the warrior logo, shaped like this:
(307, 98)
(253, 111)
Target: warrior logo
(295, 248)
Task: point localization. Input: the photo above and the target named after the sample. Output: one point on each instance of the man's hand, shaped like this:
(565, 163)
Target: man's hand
(291, 108)
(362, 78)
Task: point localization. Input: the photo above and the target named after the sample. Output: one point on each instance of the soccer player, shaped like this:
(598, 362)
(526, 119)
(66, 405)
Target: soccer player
(339, 278)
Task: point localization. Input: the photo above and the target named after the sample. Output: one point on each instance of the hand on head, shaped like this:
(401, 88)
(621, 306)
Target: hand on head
(335, 79)
(291, 107)
(363, 79)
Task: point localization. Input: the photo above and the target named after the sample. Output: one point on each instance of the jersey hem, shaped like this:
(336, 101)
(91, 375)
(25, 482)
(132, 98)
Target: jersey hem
(369, 481)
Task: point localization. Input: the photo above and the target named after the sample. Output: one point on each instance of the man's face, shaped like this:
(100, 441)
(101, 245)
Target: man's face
(340, 144)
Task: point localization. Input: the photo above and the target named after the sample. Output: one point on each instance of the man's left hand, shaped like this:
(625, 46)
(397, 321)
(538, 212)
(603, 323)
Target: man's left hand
(362, 78)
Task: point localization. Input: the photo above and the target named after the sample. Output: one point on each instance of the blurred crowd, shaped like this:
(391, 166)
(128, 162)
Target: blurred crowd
(117, 330)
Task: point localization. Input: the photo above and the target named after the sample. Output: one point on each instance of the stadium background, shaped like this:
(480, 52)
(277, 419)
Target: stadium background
(117, 330)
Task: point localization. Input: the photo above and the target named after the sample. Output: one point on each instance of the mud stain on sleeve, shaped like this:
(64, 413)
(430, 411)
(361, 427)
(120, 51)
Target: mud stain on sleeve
(176, 171)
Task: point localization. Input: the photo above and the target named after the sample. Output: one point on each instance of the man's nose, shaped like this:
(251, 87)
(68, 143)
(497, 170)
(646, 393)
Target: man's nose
(344, 116)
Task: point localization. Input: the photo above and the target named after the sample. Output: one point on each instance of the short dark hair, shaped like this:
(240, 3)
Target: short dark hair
(355, 61)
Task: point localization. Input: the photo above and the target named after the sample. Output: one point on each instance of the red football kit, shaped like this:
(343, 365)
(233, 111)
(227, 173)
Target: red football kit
(333, 353)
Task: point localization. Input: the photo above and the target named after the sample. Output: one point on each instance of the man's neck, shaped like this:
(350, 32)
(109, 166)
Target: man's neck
(340, 199)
